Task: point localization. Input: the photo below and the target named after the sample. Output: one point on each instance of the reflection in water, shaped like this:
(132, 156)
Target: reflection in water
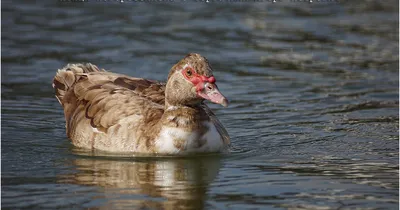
(165, 183)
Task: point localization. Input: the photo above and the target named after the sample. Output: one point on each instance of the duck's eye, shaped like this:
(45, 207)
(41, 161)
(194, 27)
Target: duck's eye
(189, 72)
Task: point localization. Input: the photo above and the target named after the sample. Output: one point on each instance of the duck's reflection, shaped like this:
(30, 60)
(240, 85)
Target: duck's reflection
(163, 183)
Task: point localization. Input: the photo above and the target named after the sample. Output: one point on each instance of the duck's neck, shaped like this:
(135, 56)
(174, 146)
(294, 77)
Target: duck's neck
(182, 116)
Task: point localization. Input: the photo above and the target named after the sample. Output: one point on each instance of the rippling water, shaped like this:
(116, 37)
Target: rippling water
(313, 116)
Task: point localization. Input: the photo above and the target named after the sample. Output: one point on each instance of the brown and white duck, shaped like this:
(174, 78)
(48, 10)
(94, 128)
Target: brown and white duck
(117, 113)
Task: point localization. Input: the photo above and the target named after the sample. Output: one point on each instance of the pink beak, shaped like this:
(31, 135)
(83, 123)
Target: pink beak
(210, 92)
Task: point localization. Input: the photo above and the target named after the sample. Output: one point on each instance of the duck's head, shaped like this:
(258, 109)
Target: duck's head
(190, 81)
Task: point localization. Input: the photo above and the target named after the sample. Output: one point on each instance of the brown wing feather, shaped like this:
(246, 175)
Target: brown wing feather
(104, 97)
(150, 89)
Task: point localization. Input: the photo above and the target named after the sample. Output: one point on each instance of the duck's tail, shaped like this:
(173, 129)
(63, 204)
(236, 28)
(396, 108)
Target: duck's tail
(66, 78)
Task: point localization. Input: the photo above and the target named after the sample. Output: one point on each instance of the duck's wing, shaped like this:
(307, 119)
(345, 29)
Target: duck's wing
(220, 128)
(105, 98)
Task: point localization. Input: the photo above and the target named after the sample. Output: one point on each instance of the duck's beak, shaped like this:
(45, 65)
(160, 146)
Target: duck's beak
(210, 92)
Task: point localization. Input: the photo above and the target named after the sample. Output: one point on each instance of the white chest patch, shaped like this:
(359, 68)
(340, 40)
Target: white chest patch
(165, 142)
(209, 142)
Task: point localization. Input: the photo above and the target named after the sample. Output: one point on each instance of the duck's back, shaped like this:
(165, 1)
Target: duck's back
(109, 111)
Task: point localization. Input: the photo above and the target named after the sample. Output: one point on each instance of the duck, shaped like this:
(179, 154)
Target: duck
(113, 112)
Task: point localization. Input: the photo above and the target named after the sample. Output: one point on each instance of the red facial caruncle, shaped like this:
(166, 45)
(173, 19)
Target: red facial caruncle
(198, 80)
(205, 86)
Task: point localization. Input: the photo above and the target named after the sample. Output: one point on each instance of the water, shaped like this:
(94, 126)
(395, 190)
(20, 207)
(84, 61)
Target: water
(313, 114)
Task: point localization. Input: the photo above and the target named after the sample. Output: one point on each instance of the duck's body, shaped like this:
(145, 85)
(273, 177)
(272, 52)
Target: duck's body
(118, 113)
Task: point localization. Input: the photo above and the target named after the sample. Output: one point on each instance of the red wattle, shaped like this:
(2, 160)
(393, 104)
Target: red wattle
(199, 80)
(195, 80)
(211, 79)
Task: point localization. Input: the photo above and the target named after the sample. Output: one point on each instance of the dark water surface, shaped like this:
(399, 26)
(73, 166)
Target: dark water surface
(313, 115)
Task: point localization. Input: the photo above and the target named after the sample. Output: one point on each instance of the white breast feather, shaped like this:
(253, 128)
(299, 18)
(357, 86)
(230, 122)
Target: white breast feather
(165, 141)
